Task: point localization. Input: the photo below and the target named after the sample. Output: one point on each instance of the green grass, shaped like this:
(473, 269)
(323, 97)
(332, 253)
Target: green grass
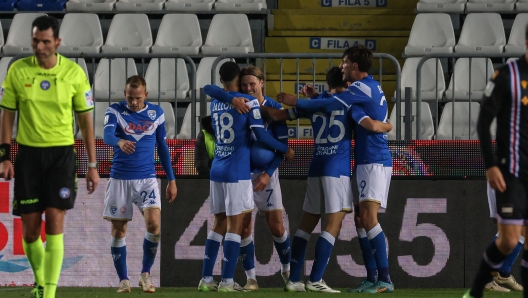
(262, 293)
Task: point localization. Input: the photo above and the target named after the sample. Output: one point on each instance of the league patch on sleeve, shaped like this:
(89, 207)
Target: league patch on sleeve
(256, 114)
(1, 93)
(106, 119)
(489, 89)
(89, 98)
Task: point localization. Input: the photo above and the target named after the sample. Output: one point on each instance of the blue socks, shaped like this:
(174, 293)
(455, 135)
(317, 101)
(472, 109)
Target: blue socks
(150, 248)
(247, 254)
(379, 247)
(119, 253)
(231, 252)
(212, 245)
(323, 250)
(282, 245)
(298, 253)
(368, 256)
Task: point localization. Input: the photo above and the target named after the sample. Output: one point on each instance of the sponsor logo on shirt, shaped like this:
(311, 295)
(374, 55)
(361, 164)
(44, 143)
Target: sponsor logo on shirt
(133, 128)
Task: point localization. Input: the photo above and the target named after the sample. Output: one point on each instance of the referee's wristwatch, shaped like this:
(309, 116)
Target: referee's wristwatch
(93, 165)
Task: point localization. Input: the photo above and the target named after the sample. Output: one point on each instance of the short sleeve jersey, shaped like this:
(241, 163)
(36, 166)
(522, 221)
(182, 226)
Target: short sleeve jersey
(45, 100)
(144, 128)
(231, 161)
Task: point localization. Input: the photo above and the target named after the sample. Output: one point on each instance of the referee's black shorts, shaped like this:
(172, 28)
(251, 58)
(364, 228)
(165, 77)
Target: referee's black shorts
(512, 205)
(44, 177)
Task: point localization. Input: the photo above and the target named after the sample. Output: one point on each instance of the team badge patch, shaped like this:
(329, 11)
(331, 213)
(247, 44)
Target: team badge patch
(106, 119)
(256, 114)
(123, 210)
(45, 85)
(1, 93)
(113, 209)
(152, 114)
(89, 98)
(64, 193)
(489, 89)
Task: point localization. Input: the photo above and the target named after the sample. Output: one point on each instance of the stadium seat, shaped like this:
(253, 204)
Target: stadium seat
(82, 64)
(228, 33)
(19, 36)
(170, 120)
(100, 111)
(112, 86)
(430, 79)
(90, 5)
(521, 5)
(178, 34)
(185, 131)
(203, 72)
(511, 59)
(431, 33)
(166, 80)
(482, 33)
(465, 127)
(517, 41)
(426, 122)
(80, 33)
(461, 77)
(490, 5)
(7, 5)
(139, 5)
(189, 5)
(41, 5)
(4, 64)
(448, 6)
(1, 36)
(128, 33)
(240, 5)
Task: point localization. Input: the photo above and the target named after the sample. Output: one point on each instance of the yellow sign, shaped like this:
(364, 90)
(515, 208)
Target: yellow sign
(525, 100)
(524, 84)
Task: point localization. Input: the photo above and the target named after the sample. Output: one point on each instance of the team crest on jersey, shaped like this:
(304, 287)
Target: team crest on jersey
(64, 193)
(152, 114)
(45, 85)
(113, 209)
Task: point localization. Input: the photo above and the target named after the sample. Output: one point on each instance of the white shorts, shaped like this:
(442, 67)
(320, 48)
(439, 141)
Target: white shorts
(492, 200)
(232, 198)
(120, 194)
(373, 182)
(336, 193)
(270, 198)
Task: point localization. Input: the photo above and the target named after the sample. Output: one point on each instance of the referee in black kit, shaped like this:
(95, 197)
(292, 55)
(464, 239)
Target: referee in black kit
(506, 98)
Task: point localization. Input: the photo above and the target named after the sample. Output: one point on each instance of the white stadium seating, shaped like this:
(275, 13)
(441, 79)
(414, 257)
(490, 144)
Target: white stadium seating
(203, 72)
(19, 36)
(448, 6)
(517, 41)
(4, 63)
(465, 127)
(90, 5)
(431, 33)
(112, 86)
(100, 111)
(521, 5)
(139, 5)
(185, 131)
(431, 78)
(461, 77)
(482, 33)
(82, 64)
(426, 122)
(80, 33)
(128, 33)
(490, 5)
(167, 90)
(240, 5)
(179, 34)
(170, 120)
(228, 33)
(189, 5)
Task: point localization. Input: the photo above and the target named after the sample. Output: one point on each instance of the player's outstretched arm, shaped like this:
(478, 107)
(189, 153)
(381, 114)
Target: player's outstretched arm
(275, 115)
(7, 171)
(319, 105)
(165, 158)
(375, 125)
(86, 126)
(239, 103)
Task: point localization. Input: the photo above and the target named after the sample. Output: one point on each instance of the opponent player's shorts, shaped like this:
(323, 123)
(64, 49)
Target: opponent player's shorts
(335, 193)
(232, 198)
(511, 206)
(121, 194)
(270, 198)
(373, 182)
(45, 177)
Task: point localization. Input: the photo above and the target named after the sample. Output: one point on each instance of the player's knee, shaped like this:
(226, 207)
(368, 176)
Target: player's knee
(506, 245)
(277, 230)
(153, 227)
(31, 236)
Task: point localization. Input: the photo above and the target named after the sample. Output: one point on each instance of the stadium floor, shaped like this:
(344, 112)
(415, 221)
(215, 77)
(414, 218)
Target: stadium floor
(16, 292)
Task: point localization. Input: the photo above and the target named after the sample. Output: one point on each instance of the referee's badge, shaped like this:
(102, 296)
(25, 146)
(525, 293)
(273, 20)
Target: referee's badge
(45, 85)
(489, 89)
(64, 193)
(152, 114)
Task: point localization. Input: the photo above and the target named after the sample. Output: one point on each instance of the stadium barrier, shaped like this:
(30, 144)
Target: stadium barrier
(451, 60)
